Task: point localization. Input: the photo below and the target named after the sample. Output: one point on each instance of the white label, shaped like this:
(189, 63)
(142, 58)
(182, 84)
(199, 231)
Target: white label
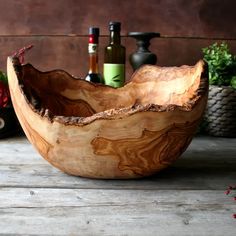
(92, 47)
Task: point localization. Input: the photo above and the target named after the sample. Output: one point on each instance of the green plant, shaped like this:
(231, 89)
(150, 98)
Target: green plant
(3, 77)
(221, 65)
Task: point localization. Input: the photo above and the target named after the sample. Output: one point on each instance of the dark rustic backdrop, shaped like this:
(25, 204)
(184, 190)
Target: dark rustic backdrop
(58, 29)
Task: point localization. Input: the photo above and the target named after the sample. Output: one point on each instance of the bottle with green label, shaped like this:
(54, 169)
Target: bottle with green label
(114, 58)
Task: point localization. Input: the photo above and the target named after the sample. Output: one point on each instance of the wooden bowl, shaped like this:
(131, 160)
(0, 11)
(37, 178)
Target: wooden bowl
(97, 131)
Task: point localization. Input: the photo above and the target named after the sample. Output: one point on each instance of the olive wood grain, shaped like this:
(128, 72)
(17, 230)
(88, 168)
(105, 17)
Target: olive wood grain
(98, 131)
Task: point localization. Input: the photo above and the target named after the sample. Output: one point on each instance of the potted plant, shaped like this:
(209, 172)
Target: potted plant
(220, 116)
(8, 121)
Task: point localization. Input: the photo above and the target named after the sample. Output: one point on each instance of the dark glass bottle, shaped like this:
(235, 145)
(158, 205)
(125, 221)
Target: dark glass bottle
(93, 73)
(114, 58)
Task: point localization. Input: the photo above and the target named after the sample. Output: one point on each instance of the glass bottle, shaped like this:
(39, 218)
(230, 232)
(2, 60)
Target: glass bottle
(93, 73)
(114, 58)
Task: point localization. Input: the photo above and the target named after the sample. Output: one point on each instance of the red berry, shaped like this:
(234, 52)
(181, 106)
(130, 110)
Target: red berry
(4, 94)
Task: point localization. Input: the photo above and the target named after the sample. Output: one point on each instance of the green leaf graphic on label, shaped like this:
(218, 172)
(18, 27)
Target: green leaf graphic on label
(114, 74)
(116, 78)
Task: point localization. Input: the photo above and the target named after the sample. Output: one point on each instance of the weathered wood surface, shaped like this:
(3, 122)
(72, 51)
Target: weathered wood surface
(59, 30)
(186, 199)
(205, 18)
(53, 212)
(70, 52)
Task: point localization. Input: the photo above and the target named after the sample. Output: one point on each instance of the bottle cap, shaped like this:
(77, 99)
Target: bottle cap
(94, 31)
(93, 35)
(114, 26)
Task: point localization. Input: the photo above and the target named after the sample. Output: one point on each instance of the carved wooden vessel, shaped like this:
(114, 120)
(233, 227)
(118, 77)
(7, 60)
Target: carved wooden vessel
(98, 131)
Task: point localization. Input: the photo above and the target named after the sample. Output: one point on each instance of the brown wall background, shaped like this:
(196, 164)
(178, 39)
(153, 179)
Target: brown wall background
(58, 29)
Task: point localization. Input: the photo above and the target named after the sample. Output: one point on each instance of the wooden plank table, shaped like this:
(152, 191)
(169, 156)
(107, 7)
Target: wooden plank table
(186, 199)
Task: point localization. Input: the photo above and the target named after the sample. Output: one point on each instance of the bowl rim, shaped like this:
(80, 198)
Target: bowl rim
(114, 113)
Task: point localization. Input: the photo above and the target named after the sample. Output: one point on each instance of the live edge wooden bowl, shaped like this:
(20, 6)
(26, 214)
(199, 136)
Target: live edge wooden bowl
(97, 131)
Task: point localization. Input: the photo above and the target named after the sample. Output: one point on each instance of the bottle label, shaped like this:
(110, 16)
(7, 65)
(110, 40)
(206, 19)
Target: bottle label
(114, 74)
(92, 48)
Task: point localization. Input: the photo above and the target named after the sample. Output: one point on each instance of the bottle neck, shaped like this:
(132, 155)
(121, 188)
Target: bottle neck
(93, 58)
(114, 37)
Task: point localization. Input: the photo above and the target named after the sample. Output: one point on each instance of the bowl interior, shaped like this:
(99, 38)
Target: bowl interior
(65, 95)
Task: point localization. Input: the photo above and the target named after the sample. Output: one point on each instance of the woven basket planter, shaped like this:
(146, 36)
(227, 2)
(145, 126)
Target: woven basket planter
(220, 116)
